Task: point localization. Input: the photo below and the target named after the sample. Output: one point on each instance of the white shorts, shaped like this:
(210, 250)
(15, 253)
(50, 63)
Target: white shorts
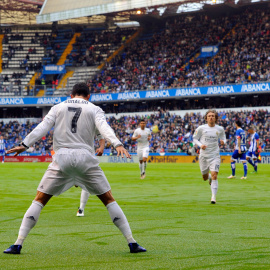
(143, 152)
(74, 167)
(209, 164)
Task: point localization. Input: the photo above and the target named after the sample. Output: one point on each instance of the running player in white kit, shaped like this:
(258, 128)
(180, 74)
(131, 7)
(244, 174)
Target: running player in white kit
(142, 135)
(207, 138)
(74, 162)
(254, 146)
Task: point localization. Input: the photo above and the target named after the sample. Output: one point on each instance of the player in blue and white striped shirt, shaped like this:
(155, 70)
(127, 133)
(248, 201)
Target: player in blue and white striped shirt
(2, 148)
(240, 150)
(254, 145)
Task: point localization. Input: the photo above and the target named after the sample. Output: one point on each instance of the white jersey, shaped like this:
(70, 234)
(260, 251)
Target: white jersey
(209, 136)
(143, 141)
(75, 122)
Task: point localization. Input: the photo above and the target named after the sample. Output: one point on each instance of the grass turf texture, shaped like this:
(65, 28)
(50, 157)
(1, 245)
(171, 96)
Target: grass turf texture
(169, 212)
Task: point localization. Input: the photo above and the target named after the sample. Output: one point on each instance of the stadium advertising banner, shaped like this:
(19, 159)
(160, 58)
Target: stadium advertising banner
(265, 159)
(182, 159)
(183, 92)
(208, 51)
(32, 101)
(28, 159)
(54, 69)
(147, 95)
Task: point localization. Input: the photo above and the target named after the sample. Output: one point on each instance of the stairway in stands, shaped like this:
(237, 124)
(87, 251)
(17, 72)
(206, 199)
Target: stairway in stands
(12, 64)
(82, 74)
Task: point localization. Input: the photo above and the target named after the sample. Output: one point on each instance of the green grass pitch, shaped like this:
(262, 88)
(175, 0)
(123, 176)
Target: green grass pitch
(169, 213)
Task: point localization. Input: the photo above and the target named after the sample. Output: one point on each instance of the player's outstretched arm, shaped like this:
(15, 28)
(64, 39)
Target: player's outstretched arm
(222, 137)
(122, 151)
(17, 150)
(100, 150)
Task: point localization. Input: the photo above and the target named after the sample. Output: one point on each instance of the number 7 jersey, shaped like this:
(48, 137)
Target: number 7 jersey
(75, 122)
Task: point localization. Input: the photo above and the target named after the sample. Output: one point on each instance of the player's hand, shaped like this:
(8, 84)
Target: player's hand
(99, 151)
(239, 151)
(139, 136)
(17, 150)
(149, 138)
(221, 142)
(122, 151)
(203, 147)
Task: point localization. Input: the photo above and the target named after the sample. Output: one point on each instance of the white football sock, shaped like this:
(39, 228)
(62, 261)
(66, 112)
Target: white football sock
(84, 198)
(209, 176)
(214, 188)
(141, 167)
(144, 167)
(29, 221)
(120, 221)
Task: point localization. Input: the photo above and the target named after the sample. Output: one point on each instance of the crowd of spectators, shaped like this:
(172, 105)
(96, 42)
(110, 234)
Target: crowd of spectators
(13, 80)
(167, 59)
(175, 133)
(243, 56)
(93, 47)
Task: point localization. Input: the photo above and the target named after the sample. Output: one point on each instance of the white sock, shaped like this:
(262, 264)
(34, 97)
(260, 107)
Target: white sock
(120, 221)
(84, 198)
(214, 188)
(141, 167)
(29, 221)
(209, 176)
(144, 167)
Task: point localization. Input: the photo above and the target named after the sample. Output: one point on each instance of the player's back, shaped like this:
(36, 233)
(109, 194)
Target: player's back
(2, 144)
(253, 142)
(75, 124)
(241, 134)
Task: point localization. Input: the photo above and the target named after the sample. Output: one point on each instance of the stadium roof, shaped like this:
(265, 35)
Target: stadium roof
(13, 12)
(31, 12)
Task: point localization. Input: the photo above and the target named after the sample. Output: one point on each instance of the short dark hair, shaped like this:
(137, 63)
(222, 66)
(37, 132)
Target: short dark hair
(238, 123)
(80, 89)
(142, 120)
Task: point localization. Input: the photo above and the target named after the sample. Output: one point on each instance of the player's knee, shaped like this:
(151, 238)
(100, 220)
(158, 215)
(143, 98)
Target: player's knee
(106, 198)
(205, 177)
(42, 198)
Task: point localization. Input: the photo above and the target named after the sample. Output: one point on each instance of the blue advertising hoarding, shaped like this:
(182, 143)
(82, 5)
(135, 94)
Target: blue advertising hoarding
(209, 51)
(32, 101)
(183, 92)
(54, 69)
(148, 95)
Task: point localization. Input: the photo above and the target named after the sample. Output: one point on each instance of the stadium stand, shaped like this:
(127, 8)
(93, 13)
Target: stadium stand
(22, 54)
(170, 57)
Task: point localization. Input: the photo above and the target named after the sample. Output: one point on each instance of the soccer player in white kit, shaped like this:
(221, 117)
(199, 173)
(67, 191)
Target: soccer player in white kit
(253, 149)
(85, 194)
(207, 138)
(142, 135)
(74, 162)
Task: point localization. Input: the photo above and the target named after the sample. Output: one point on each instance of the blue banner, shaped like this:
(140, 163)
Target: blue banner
(209, 51)
(32, 101)
(183, 92)
(54, 69)
(148, 95)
